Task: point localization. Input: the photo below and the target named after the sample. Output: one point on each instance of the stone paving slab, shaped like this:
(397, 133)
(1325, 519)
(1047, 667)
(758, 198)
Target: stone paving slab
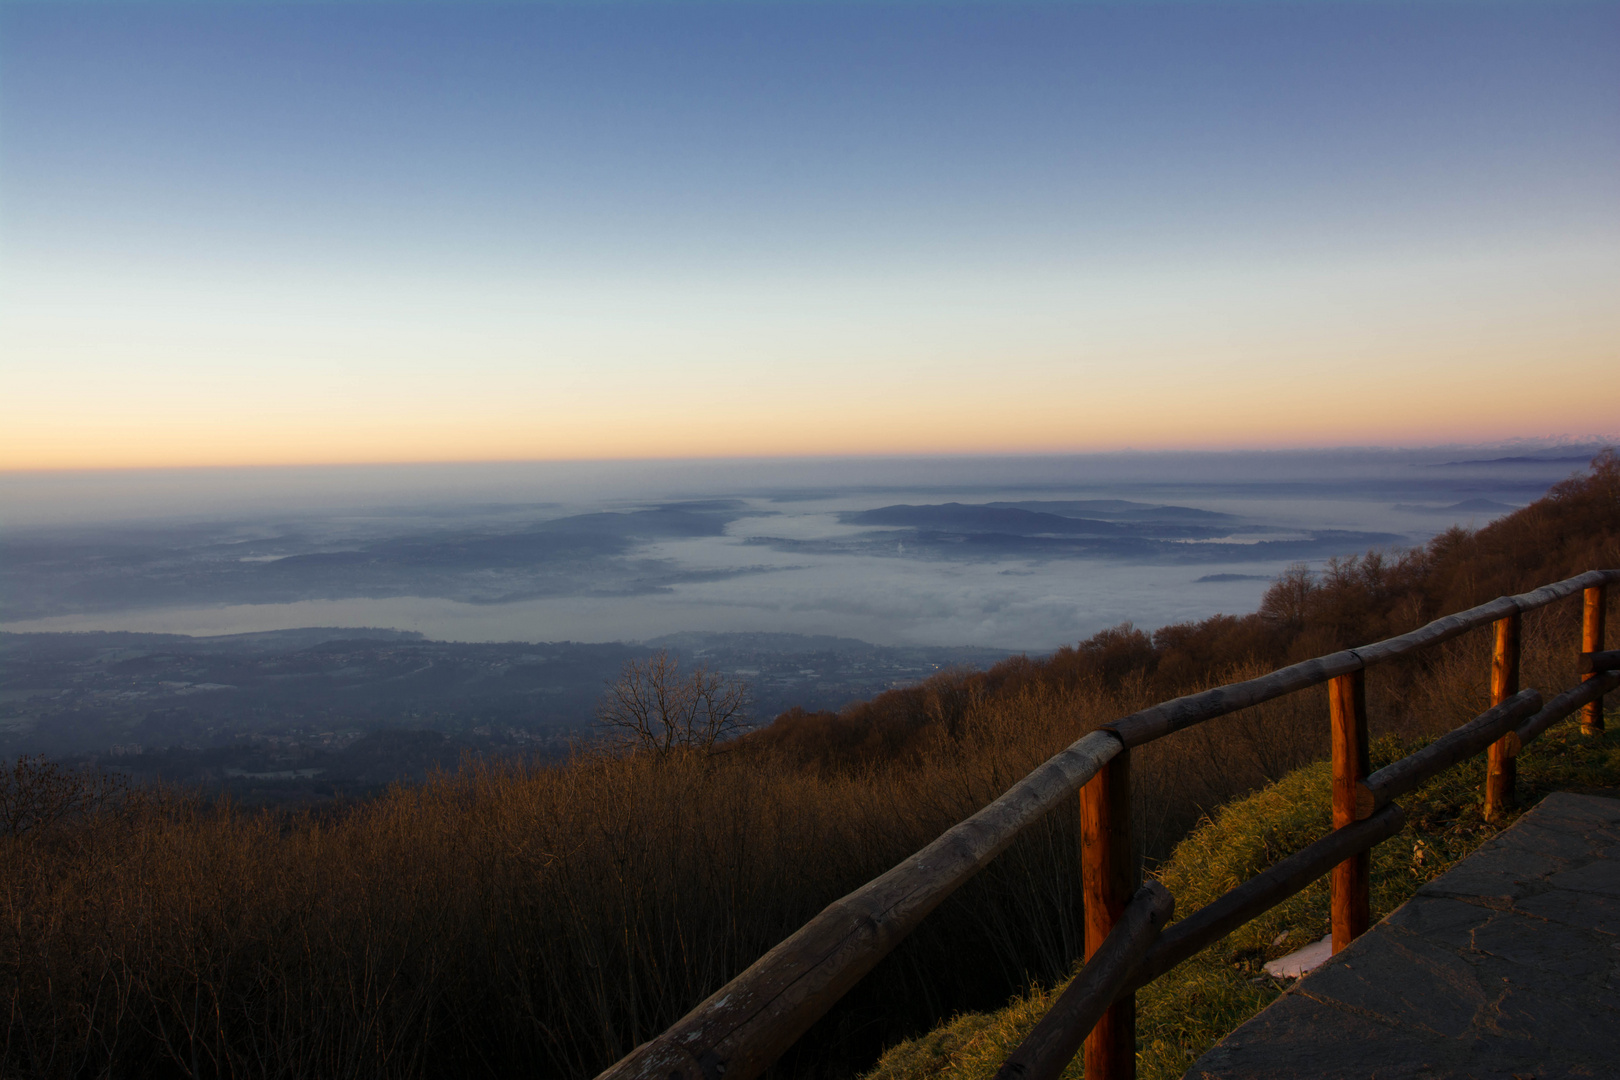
(1505, 968)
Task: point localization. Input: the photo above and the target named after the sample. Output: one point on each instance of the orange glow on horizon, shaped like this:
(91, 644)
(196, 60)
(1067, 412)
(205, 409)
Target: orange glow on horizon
(1182, 376)
(1306, 421)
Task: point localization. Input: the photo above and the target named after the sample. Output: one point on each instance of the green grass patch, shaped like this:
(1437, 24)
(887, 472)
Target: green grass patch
(1188, 1010)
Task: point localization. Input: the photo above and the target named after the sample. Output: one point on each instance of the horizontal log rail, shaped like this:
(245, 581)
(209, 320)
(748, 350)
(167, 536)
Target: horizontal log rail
(1459, 744)
(1049, 1048)
(1161, 720)
(1561, 706)
(740, 1029)
(1190, 936)
(1592, 662)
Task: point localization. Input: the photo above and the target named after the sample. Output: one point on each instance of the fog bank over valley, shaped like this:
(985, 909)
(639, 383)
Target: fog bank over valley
(1011, 553)
(298, 635)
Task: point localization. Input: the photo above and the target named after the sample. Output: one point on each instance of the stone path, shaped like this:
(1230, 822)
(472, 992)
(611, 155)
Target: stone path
(1506, 967)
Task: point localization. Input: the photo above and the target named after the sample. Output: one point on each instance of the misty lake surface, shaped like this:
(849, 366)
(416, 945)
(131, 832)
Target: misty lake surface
(1015, 553)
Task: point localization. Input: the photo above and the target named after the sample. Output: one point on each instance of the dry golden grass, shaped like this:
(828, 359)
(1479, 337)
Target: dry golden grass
(552, 917)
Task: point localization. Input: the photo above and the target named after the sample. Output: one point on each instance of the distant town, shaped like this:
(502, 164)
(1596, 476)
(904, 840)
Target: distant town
(308, 715)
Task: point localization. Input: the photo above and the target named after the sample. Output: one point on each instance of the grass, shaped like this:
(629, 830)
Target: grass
(503, 916)
(1191, 1008)
(510, 917)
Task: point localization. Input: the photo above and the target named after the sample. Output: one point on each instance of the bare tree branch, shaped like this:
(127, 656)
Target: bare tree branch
(652, 708)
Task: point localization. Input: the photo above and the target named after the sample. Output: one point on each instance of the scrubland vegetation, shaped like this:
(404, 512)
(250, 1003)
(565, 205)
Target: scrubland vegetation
(547, 919)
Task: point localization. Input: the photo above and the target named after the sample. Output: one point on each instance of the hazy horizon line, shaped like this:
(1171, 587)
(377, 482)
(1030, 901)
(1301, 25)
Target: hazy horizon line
(1523, 443)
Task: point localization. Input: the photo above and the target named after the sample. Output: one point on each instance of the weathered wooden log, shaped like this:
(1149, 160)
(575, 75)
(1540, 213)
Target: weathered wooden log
(1352, 878)
(1501, 757)
(1592, 616)
(1109, 874)
(1160, 720)
(1561, 706)
(1547, 594)
(1459, 744)
(1049, 1048)
(1187, 937)
(1450, 626)
(746, 1024)
(1441, 629)
(1593, 662)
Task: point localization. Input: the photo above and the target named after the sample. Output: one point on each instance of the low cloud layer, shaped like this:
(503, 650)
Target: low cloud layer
(992, 560)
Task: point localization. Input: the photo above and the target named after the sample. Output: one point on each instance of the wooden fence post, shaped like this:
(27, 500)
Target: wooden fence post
(1352, 879)
(1109, 873)
(1592, 641)
(1501, 767)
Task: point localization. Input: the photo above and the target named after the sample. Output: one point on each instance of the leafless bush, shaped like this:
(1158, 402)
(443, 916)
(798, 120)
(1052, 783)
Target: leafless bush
(37, 795)
(653, 708)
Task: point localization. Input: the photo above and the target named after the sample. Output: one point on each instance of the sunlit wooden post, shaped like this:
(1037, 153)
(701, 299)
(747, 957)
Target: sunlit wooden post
(1109, 875)
(1592, 641)
(1352, 879)
(1501, 767)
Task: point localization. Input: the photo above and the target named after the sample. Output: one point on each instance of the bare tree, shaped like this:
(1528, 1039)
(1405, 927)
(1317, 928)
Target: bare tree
(652, 707)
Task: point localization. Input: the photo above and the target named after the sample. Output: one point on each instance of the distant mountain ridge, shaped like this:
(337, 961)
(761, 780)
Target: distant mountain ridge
(1136, 531)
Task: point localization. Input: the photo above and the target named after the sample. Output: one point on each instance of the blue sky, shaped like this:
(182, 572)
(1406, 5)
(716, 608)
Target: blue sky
(243, 233)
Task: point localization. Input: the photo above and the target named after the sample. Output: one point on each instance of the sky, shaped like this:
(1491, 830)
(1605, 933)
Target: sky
(292, 234)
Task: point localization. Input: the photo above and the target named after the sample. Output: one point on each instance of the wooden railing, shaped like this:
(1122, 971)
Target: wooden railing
(1129, 940)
